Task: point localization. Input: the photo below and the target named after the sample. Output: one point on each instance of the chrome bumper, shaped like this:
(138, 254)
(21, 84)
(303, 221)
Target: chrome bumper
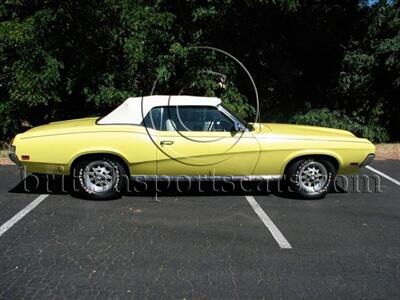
(13, 157)
(367, 160)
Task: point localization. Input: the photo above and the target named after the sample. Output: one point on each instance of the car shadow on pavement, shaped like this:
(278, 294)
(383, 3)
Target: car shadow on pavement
(62, 185)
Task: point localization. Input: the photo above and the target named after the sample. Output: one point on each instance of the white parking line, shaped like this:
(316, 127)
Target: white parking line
(7, 225)
(383, 175)
(281, 240)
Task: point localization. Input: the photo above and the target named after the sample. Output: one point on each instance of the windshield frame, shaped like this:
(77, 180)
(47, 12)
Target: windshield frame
(235, 117)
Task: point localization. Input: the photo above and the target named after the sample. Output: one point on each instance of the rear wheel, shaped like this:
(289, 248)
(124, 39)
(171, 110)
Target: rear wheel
(310, 178)
(99, 178)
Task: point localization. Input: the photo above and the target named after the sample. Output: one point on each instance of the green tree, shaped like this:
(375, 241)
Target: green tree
(66, 59)
(369, 82)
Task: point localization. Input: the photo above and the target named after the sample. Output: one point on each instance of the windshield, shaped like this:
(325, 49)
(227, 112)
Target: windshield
(239, 119)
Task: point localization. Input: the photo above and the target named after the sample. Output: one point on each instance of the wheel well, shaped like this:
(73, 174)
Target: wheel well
(100, 155)
(331, 159)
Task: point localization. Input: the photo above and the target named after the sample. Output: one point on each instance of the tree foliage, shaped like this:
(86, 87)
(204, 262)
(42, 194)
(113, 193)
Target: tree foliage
(66, 59)
(338, 119)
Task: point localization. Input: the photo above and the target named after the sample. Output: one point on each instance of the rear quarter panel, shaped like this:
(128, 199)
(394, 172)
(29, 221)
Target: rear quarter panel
(54, 153)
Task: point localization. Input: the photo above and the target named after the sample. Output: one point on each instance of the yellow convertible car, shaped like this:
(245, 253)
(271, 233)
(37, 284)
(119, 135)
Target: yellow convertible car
(194, 137)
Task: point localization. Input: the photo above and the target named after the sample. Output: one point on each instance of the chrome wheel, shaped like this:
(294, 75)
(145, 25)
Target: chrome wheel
(99, 176)
(313, 177)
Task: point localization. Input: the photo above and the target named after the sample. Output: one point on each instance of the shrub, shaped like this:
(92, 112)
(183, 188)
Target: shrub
(337, 119)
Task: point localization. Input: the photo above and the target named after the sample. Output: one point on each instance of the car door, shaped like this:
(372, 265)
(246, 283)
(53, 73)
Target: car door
(201, 140)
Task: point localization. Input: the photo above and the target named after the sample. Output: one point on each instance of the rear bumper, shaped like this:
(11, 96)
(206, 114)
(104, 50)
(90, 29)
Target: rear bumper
(367, 160)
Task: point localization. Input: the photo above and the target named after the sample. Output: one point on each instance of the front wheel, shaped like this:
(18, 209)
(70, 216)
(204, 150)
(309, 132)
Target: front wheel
(310, 178)
(98, 178)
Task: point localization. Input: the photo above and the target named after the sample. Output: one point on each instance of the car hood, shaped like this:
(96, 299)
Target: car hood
(60, 127)
(303, 131)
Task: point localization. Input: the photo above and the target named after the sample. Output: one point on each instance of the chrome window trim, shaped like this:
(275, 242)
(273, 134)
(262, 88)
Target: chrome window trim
(219, 107)
(237, 123)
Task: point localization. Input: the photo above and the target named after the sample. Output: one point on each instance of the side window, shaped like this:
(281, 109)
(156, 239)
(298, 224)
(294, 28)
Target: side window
(187, 118)
(153, 119)
(195, 118)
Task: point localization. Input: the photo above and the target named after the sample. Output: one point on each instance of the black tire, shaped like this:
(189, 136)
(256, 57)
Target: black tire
(299, 182)
(83, 184)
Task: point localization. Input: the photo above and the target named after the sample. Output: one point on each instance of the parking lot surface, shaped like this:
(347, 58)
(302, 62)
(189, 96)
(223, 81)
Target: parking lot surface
(197, 244)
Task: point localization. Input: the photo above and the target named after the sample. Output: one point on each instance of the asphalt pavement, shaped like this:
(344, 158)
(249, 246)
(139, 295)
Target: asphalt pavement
(208, 242)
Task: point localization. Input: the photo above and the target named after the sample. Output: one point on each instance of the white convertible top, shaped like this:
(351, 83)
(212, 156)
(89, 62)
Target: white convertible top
(133, 110)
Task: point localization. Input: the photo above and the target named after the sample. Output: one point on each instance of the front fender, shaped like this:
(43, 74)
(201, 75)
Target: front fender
(306, 152)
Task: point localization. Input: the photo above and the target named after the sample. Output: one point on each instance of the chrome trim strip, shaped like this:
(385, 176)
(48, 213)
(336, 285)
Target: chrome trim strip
(307, 139)
(122, 131)
(206, 178)
(83, 132)
(370, 157)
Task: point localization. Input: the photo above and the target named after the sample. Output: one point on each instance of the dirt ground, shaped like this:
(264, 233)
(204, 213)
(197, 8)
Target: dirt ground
(388, 151)
(4, 158)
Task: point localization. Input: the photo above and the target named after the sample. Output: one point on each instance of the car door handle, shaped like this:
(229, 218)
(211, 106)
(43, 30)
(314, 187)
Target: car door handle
(162, 143)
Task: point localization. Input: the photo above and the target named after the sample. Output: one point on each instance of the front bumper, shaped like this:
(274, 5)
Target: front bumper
(13, 156)
(367, 160)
